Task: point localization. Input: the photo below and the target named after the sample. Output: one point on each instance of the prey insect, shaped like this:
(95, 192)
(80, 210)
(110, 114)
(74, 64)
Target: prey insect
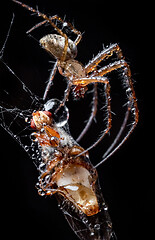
(64, 50)
(72, 179)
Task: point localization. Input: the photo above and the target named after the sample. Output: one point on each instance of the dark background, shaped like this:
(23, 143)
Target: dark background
(127, 177)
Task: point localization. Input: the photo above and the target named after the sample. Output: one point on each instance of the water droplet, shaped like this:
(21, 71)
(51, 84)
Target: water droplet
(65, 24)
(92, 234)
(32, 144)
(97, 226)
(42, 167)
(47, 179)
(33, 156)
(48, 192)
(26, 148)
(85, 221)
(41, 192)
(60, 115)
(105, 208)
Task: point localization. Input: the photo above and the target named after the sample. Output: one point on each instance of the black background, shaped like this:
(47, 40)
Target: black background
(127, 177)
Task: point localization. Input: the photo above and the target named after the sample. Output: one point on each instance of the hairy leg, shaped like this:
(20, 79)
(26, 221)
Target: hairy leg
(92, 115)
(132, 108)
(50, 81)
(109, 119)
(127, 82)
(104, 54)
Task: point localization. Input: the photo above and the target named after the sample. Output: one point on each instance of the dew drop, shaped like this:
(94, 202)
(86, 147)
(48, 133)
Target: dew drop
(47, 179)
(26, 148)
(61, 116)
(97, 226)
(42, 167)
(105, 207)
(41, 193)
(33, 156)
(65, 24)
(48, 192)
(92, 234)
(85, 221)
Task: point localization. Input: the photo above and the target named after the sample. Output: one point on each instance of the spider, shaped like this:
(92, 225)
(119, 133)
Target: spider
(64, 50)
(64, 166)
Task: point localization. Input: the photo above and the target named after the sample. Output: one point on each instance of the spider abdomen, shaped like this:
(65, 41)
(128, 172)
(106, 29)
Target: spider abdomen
(54, 44)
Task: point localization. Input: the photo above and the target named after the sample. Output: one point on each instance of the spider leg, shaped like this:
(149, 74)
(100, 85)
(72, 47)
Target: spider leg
(87, 80)
(68, 24)
(50, 81)
(92, 116)
(36, 26)
(108, 104)
(74, 30)
(66, 95)
(84, 82)
(104, 54)
(131, 106)
(49, 19)
(109, 151)
(127, 82)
